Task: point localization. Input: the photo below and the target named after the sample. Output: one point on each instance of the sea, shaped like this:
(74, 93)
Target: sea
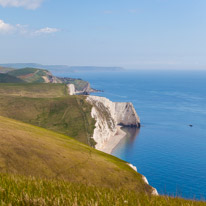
(170, 147)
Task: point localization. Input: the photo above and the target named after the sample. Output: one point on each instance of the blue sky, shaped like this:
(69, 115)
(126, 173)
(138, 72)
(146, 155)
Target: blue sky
(142, 34)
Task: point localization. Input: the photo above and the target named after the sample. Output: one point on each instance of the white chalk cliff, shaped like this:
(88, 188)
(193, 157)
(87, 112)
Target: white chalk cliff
(71, 89)
(86, 90)
(109, 117)
(154, 190)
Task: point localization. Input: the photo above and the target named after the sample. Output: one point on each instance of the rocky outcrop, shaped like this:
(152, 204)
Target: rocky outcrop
(49, 78)
(81, 86)
(89, 90)
(126, 115)
(109, 117)
(154, 190)
(71, 89)
(132, 166)
(86, 90)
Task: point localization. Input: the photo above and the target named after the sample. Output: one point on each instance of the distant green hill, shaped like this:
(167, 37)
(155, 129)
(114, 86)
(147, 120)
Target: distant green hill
(5, 69)
(33, 75)
(6, 78)
(64, 68)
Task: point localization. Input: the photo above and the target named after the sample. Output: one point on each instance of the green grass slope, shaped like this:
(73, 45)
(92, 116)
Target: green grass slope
(24, 191)
(32, 151)
(30, 75)
(5, 78)
(5, 69)
(69, 115)
(34, 90)
(34, 75)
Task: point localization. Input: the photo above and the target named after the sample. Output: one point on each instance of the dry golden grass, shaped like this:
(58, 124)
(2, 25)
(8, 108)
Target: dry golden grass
(24, 191)
(33, 151)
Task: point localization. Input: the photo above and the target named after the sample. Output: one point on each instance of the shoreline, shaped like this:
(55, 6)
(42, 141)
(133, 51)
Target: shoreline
(110, 146)
(114, 141)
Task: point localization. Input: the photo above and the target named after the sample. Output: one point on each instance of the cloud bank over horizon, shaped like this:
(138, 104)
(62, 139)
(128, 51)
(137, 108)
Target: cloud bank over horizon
(27, 4)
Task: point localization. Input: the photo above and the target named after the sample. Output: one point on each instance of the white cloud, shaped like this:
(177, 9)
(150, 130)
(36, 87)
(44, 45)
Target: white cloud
(28, 4)
(6, 28)
(46, 30)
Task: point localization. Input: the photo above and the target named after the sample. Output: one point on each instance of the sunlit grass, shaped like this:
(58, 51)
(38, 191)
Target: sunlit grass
(16, 190)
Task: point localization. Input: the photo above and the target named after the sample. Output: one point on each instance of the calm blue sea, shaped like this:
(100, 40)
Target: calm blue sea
(166, 150)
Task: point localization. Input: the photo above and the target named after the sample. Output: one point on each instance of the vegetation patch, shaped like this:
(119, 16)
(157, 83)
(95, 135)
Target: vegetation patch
(67, 115)
(34, 90)
(33, 151)
(5, 69)
(30, 75)
(5, 78)
(23, 191)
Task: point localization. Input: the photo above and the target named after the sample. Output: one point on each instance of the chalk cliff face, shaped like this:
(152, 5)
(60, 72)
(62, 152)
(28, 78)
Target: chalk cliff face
(74, 89)
(109, 115)
(126, 115)
(71, 89)
(87, 89)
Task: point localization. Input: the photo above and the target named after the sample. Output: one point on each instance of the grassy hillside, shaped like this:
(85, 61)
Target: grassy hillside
(34, 90)
(32, 191)
(34, 75)
(68, 115)
(40, 167)
(32, 151)
(5, 69)
(30, 75)
(5, 78)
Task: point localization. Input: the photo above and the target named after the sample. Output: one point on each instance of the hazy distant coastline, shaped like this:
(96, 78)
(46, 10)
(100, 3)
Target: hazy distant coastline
(63, 68)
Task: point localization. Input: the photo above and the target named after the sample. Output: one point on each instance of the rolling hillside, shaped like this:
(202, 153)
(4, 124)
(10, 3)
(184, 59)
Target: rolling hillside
(5, 78)
(32, 151)
(33, 75)
(5, 69)
(40, 167)
(34, 90)
(41, 163)
(48, 106)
